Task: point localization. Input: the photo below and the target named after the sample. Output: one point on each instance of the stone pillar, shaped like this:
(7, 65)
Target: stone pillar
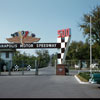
(60, 69)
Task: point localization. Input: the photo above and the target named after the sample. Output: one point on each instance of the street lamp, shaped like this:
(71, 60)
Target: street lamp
(90, 48)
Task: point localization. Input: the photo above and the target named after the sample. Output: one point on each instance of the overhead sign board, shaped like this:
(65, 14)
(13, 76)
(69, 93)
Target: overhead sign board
(29, 45)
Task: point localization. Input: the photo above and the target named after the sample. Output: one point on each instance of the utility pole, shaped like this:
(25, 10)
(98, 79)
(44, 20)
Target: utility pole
(90, 47)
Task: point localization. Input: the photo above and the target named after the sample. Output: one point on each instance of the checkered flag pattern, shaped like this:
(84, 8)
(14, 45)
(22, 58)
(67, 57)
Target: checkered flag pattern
(64, 43)
(16, 68)
(28, 68)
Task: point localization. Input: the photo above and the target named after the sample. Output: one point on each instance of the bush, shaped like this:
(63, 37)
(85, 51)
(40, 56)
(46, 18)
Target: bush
(85, 75)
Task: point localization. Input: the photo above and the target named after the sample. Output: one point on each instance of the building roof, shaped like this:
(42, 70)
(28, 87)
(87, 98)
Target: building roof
(7, 50)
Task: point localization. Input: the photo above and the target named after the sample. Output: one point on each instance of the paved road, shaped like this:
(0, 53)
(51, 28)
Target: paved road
(47, 71)
(46, 86)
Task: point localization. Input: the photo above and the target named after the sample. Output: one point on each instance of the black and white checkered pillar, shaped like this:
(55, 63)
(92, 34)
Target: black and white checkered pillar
(64, 45)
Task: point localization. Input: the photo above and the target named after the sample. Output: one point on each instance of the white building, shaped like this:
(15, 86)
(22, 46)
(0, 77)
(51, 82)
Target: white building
(7, 55)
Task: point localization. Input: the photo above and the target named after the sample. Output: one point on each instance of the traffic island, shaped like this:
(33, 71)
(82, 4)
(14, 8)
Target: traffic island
(82, 78)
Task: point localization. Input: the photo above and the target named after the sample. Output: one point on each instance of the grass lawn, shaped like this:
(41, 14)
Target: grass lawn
(85, 76)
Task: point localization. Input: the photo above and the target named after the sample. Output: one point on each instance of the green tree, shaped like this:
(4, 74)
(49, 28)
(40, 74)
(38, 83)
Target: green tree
(53, 58)
(43, 58)
(77, 51)
(19, 58)
(96, 51)
(95, 16)
(31, 61)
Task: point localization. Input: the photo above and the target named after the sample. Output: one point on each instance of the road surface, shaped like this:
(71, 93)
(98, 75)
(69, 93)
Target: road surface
(46, 85)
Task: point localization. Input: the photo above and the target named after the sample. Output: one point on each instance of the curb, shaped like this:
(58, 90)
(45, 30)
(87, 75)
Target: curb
(80, 80)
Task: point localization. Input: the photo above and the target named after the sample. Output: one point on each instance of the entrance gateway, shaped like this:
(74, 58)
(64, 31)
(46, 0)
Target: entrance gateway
(25, 40)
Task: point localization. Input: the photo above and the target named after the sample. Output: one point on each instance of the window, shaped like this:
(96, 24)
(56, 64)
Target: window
(7, 54)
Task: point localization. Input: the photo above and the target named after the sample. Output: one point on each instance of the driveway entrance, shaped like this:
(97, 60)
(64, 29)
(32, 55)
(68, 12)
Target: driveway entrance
(46, 86)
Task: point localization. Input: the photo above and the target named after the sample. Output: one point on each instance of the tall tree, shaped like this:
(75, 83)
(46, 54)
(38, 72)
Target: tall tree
(78, 51)
(18, 58)
(53, 58)
(43, 58)
(95, 16)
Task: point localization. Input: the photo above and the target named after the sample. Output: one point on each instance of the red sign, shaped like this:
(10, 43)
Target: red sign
(64, 33)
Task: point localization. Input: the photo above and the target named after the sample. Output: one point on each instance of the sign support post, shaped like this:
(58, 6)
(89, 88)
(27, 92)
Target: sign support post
(22, 67)
(36, 68)
(9, 70)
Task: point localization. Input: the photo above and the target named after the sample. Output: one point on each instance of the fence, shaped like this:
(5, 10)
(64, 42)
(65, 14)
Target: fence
(10, 68)
(23, 69)
(81, 64)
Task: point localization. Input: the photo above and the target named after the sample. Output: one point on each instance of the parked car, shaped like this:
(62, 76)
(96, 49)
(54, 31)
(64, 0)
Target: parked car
(76, 66)
(95, 65)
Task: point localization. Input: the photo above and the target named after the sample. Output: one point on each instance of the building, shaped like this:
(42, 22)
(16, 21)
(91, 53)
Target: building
(7, 56)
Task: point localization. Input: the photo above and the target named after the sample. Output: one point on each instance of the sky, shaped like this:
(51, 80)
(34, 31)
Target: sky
(44, 18)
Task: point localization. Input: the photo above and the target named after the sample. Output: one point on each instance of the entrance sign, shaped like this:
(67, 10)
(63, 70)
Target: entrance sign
(64, 36)
(23, 37)
(64, 40)
(29, 45)
(27, 40)
(64, 33)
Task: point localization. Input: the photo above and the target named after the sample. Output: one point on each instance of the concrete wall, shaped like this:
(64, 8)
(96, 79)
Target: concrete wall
(3, 56)
(8, 61)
